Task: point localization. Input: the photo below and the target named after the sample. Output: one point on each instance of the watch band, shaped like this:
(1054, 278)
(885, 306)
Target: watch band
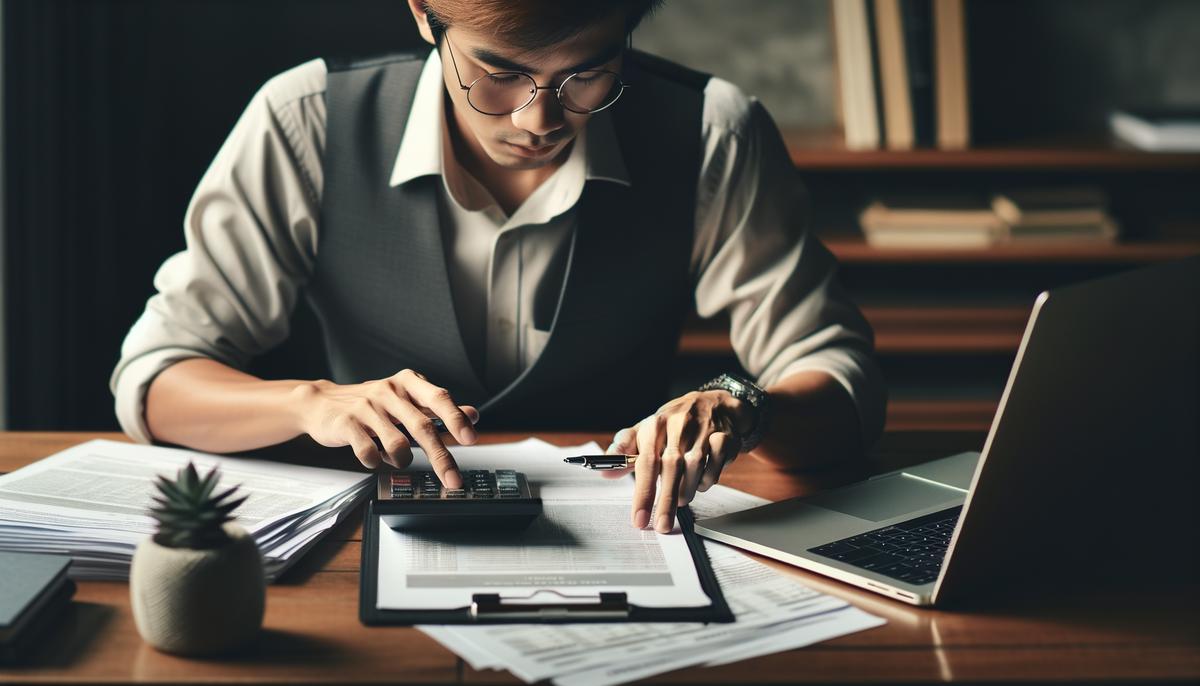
(747, 391)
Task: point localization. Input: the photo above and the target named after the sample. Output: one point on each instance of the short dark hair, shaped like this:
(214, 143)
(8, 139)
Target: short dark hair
(532, 24)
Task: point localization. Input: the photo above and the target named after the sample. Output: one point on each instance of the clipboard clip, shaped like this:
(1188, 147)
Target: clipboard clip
(491, 606)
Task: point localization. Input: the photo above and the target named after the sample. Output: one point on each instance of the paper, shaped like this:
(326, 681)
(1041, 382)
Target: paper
(90, 502)
(581, 545)
(786, 636)
(773, 611)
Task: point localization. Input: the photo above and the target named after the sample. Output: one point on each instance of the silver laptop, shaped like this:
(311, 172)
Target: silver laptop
(1089, 469)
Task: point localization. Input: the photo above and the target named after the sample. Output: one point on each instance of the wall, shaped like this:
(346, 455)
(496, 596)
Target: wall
(3, 279)
(1043, 68)
(778, 50)
(1036, 66)
(114, 108)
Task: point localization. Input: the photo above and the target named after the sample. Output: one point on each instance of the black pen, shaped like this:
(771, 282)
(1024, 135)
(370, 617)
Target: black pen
(438, 425)
(602, 461)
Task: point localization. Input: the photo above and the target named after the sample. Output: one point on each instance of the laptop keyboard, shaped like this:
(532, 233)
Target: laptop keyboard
(911, 551)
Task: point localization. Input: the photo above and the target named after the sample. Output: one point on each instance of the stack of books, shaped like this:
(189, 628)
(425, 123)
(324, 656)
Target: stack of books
(1055, 214)
(902, 73)
(983, 220)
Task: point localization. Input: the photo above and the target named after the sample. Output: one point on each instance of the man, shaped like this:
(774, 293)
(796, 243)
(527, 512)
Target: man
(518, 220)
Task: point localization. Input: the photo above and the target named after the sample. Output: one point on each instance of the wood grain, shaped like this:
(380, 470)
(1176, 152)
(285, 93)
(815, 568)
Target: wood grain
(825, 150)
(313, 633)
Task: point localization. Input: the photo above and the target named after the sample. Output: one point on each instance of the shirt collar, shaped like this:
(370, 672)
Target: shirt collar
(421, 147)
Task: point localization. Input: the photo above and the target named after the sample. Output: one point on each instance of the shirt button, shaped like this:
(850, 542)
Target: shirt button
(505, 326)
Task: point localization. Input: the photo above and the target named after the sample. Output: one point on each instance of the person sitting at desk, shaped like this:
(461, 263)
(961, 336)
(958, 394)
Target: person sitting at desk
(514, 225)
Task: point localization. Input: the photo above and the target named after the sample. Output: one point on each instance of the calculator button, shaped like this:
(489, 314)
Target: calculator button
(455, 493)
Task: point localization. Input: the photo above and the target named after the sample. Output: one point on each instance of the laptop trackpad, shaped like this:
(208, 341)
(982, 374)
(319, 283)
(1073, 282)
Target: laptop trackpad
(887, 497)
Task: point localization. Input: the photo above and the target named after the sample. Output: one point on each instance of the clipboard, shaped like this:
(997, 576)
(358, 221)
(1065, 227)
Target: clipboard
(489, 608)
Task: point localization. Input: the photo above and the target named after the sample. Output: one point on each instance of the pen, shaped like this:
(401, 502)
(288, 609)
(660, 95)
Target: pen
(438, 425)
(602, 461)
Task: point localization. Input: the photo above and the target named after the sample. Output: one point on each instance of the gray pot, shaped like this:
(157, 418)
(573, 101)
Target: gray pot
(198, 602)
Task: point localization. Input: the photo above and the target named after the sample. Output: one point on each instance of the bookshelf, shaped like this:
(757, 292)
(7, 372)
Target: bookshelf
(825, 150)
(856, 251)
(948, 321)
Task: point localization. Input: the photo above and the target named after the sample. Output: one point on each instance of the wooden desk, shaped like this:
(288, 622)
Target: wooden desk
(312, 632)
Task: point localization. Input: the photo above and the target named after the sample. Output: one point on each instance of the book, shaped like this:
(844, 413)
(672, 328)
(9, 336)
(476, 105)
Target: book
(971, 220)
(856, 79)
(34, 592)
(1158, 130)
(893, 73)
(932, 221)
(916, 18)
(950, 78)
(1069, 213)
(876, 77)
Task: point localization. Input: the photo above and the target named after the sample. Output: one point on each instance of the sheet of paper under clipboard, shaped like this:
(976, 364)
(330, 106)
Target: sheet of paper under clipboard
(582, 545)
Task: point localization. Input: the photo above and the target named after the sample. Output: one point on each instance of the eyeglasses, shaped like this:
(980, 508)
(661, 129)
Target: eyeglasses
(505, 92)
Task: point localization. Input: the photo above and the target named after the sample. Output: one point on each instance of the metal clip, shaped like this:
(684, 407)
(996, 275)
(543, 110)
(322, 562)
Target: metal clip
(492, 606)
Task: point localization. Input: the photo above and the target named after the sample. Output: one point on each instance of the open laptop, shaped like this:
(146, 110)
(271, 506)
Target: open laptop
(1089, 469)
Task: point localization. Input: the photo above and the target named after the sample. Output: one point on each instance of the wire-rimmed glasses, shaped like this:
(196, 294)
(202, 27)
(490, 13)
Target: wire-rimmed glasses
(505, 92)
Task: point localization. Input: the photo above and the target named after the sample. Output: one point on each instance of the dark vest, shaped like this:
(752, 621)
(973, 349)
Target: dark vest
(381, 290)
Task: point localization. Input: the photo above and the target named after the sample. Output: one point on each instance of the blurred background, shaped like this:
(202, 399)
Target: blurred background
(112, 110)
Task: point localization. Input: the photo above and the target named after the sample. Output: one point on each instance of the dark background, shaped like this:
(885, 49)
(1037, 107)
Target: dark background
(114, 108)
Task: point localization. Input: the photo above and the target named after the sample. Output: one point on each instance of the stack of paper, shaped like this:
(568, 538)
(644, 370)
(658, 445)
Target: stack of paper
(90, 502)
(774, 611)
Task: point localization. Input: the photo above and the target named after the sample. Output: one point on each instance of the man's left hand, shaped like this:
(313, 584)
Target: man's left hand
(680, 449)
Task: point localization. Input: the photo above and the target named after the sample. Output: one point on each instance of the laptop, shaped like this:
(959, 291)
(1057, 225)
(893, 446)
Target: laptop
(1088, 473)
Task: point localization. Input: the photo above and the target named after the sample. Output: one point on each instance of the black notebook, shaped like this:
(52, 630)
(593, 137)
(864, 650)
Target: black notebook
(35, 590)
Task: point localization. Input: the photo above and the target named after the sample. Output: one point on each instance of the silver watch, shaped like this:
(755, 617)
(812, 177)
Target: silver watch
(758, 399)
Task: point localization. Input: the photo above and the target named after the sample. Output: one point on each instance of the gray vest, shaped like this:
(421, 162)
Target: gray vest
(381, 290)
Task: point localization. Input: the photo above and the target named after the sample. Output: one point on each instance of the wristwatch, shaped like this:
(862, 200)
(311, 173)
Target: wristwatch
(745, 390)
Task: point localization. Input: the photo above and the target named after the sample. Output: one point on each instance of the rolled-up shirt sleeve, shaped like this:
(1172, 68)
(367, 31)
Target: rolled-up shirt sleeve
(250, 245)
(756, 259)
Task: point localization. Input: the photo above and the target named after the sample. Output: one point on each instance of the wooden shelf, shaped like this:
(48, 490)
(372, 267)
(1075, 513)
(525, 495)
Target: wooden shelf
(946, 415)
(858, 251)
(906, 331)
(825, 150)
(947, 330)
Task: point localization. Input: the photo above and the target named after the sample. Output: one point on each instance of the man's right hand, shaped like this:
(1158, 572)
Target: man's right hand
(352, 414)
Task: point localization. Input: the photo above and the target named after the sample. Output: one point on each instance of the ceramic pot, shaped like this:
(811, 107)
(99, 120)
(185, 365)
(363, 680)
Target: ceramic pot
(198, 602)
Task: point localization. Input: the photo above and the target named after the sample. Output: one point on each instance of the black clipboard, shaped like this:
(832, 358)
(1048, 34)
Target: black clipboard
(488, 608)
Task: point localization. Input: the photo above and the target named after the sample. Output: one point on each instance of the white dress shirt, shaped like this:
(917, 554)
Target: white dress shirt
(252, 242)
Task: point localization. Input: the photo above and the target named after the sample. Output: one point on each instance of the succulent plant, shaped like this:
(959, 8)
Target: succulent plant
(188, 514)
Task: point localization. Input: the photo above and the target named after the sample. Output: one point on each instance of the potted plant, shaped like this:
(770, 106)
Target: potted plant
(197, 586)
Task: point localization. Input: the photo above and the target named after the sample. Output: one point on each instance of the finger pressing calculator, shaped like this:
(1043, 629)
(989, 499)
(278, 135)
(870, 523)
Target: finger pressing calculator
(414, 500)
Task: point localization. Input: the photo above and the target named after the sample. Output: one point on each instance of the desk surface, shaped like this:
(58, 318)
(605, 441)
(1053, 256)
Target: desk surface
(312, 632)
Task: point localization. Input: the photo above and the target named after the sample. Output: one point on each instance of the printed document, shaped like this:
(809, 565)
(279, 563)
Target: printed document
(773, 611)
(581, 545)
(90, 501)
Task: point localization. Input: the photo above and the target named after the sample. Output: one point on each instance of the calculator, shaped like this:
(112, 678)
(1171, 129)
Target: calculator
(415, 500)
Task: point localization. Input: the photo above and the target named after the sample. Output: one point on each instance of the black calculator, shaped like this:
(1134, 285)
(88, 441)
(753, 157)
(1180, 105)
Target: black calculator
(415, 500)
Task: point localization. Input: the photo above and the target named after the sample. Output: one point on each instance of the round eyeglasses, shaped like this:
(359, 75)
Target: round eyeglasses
(505, 92)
